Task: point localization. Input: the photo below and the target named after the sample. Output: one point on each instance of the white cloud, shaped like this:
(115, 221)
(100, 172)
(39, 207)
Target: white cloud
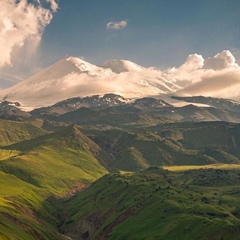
(215, 83)
(117, 25)
(222, 60)
(217, 76)
(188, 72)
(54, 5)
(21, 23)
(73, 77)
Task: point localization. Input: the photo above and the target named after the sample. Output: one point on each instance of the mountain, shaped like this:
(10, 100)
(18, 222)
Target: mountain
(11, 110)
(117, 111)
(72, 104)
(74, 77)
(114, 110)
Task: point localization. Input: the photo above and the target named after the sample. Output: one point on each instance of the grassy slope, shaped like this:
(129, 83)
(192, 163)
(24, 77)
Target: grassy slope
(43, 168)
(48, 160)
(23, 209)
(157, 205)
(13, 132)
(35, 165)
(116, 117)
(137, 150)
(211, 137)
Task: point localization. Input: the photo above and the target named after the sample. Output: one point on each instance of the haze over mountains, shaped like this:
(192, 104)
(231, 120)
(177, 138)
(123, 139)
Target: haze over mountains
(73, 77)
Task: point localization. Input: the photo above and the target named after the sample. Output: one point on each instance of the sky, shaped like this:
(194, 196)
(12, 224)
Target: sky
(152, 33)
(159, 33)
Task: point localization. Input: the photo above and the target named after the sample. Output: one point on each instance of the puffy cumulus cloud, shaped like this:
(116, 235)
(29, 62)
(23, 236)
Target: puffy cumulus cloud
(217, 76)
(188, 72)
(116, 25)
(20, 23)
(222, 60)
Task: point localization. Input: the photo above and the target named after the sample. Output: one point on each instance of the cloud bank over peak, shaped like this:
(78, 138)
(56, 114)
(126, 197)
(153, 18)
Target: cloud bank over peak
(217, 76)
(22, 23)
(116, 25)
(72, 77)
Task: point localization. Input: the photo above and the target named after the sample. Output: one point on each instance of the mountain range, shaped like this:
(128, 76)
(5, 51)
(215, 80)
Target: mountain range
(72, 83)
(115, 110)
(116, 152)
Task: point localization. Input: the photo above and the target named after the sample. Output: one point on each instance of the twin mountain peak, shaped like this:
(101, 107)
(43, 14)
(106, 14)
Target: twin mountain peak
(73, 77)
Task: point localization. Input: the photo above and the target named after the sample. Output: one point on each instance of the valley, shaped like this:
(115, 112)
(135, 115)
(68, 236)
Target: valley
(113, 168)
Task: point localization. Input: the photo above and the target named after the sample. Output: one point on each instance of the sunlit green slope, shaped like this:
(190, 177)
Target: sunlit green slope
(34, 172)
(13, 132)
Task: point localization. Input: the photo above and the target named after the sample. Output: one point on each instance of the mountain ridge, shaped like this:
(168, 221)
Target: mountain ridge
(114, 109)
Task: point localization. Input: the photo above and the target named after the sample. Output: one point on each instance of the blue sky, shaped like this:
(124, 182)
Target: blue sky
(159, 33)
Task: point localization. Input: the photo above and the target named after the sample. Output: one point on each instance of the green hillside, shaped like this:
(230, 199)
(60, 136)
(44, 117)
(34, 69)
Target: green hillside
(13, 132)
(219, 140)
(170, 144)
(25, 212)
(39, 170)
(157, 204)
(44, 173)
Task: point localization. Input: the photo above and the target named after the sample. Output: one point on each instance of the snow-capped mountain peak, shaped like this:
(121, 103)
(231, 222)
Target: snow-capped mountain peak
(82, 65)
(73, 77)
